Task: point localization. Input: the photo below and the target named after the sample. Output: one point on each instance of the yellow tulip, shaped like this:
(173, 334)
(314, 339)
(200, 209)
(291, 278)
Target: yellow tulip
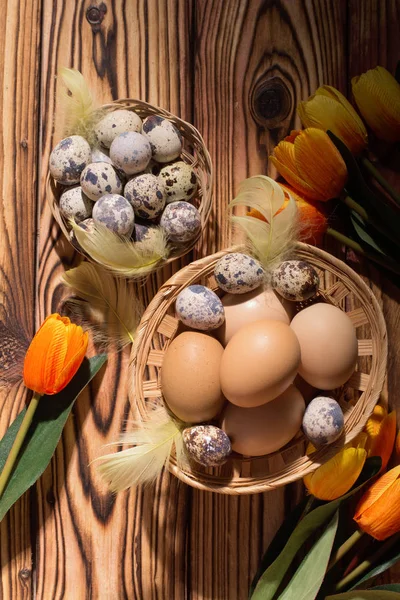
(311, 164)
(329, 109)
(377, 95)
(335, 477)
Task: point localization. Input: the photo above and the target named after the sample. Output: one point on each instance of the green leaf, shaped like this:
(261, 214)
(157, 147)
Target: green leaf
(270, 580)
(365, 595)
(43, 434)
(308, 578)
(361, 230)
(390, 587)
(388, 560)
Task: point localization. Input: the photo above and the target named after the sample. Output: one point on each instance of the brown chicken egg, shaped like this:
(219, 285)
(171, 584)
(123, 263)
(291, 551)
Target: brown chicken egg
(190, 381)
(242, 309)
(259, 363)
(266, 428)
(328, 344)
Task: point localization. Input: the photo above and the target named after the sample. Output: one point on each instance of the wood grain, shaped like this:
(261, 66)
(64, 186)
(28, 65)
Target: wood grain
(237, 70)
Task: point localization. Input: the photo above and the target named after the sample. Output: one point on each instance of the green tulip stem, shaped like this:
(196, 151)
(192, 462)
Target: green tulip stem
(384, 261)
(19, 440)
(381, 180)
(344, 548)
(353, 205)
(368, 563)
(356, 207)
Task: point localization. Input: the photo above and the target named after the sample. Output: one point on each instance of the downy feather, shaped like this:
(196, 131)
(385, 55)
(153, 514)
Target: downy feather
(80, 113)
(108, 307)
(271, 241)
(119, 254)
(153, 444)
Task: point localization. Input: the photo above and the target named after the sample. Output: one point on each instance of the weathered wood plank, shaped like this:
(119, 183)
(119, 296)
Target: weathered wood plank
(19, 153)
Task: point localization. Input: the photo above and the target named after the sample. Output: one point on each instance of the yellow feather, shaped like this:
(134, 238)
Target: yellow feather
(108, 307)
(271, 241)
(80, 113)
(119, 254)
(153, 444)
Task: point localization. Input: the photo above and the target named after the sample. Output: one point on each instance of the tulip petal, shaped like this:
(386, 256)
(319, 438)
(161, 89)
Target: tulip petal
(294, 180)
(377, 95)
(319, 163)
(382, 443)
(376, 490)
(76, 354)
(382, 518)
(337, 475)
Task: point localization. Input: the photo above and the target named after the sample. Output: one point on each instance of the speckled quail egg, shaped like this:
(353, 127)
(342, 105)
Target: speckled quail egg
(200, 308)
(75, 205)
(144, 231)
(323, 421)
(88, 225)
(164, 137)
(100, 178)
(295, 280)
(181, 221)
(115, 123)
(180, 181)
(69, 158)
(146, 193)
(114, 212)
(130, 152)
(238, 273)
(100, 156)
(206, 444)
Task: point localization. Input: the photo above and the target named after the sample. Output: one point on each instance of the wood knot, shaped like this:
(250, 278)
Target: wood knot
(95, 14)
(270, 102)
(50, 498)
(23, 144)
(24, 574)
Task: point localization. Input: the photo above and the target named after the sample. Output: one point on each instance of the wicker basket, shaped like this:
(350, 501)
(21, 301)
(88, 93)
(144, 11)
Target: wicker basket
(194, 153)
(340, 286)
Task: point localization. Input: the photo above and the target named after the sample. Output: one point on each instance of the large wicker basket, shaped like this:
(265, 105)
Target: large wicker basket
(339, 285)
(194, 153)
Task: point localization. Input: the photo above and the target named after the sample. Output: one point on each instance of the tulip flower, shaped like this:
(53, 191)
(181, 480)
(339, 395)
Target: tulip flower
(378, 512)
(53, 358)
(381, 431)
(311, 163)
(397, 446)
(377, 95)
(335, 477)
(328, 109)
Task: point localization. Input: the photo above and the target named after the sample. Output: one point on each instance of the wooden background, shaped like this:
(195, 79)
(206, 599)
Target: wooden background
(208, 61)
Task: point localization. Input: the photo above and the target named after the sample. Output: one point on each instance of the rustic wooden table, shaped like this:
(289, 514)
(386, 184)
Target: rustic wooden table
(233, 68)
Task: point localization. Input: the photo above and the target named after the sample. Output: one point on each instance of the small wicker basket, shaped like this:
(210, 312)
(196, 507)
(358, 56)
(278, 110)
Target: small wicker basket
(340, 286)
(194, 153)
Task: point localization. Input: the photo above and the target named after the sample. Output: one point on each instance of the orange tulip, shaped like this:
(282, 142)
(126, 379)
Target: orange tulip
(377, 95)
(378, 512)
(312, 218)
(329, 109)
(381, 430)
(397, 446)
(311, 163)
(54, 355)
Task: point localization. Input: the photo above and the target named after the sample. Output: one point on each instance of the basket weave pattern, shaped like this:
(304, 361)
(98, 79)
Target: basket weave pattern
(194, 153)
(340, 286)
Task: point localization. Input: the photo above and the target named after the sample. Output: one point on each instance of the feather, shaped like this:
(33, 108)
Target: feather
(80, 114)
(270, 241)
(107, 306)
(119, 254)
(153, 444)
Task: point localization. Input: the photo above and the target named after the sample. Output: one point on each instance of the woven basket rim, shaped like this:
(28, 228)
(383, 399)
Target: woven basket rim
(148, 327)
(206, 178)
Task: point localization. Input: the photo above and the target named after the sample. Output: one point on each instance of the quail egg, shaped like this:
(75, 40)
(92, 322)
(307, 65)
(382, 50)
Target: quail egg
(144, 231)
(295, 280)
(115, 123)
(238, 273)
(114, 212)
(69, 158)
(88, 225)
(164, 137)
(200, 308)
(75, 205)
(181, 221)
(100, 178)
(100, 156)
(180, 181)
(323, 421)
(130, 152)
(146, 193)
(206, 444)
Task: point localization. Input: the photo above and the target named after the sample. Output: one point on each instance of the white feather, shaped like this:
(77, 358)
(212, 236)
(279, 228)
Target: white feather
(119, 254)
(109, 305)
(153, 444)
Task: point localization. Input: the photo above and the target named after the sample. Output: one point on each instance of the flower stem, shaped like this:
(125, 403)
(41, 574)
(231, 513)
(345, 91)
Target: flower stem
(384, 261)
(356, 207)
(366, 564)
(353, 205)
(19, 440)
(344, 548)
(381, 180)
